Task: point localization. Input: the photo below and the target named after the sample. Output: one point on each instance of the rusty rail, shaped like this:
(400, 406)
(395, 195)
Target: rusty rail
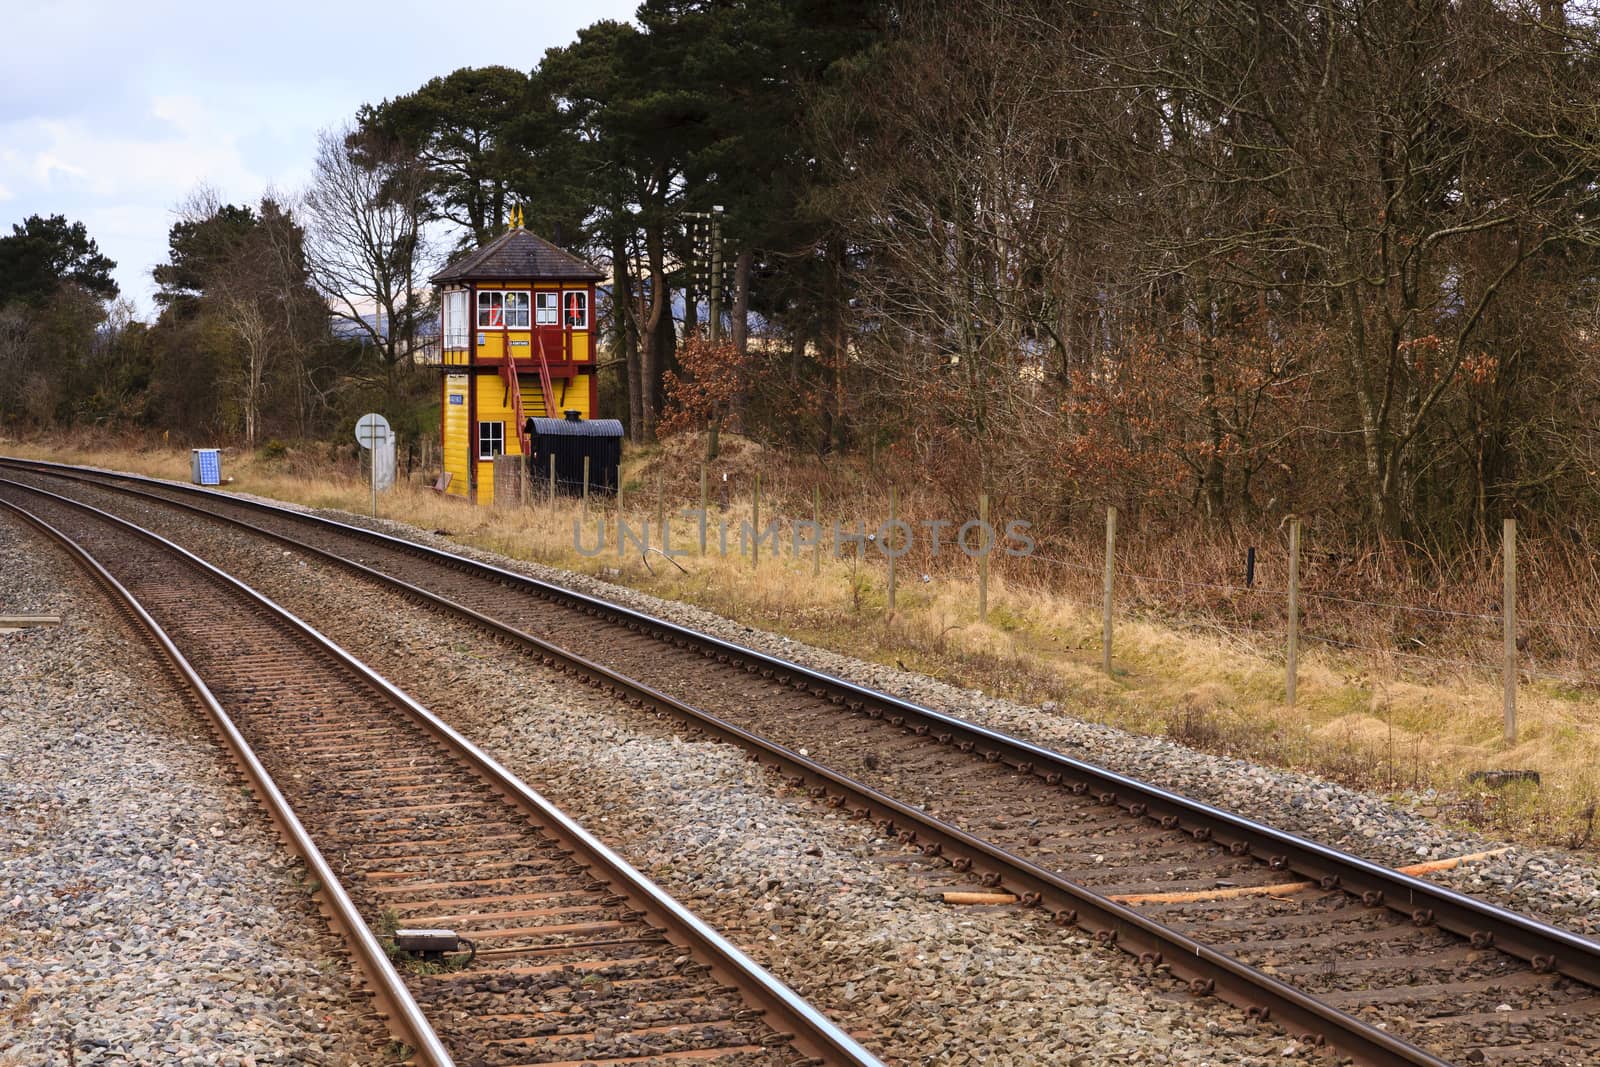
(785, 1010)
(1547, 948)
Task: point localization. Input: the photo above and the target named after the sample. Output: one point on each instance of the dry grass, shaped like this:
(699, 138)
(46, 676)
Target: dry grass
(1199, 663)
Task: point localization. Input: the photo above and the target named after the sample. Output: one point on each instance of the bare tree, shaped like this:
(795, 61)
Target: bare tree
(365, 247)
(958, 179)
(1390, 171)
(242, 315)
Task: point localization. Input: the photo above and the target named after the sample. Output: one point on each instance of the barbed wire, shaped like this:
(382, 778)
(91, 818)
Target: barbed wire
(643, 501)
(1236, 587)
(1213, 624)
(1066, 563)
(1561, 625)
(1567, 678)
(1396, 606)
(1469, 664)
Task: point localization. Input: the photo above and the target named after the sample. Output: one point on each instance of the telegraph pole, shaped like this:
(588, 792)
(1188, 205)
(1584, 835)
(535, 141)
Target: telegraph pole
(716, 274)
(713, 220)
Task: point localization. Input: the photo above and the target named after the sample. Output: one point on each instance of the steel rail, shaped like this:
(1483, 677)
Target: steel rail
(400, 1011)
(810, 1030)
(1546, 947)
(1207, 971)
(1106, 919)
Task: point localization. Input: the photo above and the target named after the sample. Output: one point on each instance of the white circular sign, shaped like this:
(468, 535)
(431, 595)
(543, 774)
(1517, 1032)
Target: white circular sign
(371, 428)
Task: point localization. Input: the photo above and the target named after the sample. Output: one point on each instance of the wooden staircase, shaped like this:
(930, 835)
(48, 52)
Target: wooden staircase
(544, 383)
(508, 374)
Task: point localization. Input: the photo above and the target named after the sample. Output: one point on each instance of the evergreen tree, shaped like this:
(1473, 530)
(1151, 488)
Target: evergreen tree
(41, 253)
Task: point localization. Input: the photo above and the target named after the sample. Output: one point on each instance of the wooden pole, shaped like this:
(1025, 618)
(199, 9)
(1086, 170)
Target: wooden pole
(816, 521)
(716, 274)
(552, 479)
(1291, 668)
(586, 487)
(661, 513)
(705, 517)
(983, 561)
(890, 553)
(17, 622)
(1509, 557)
(374, 440)
(1111, 562)
(958, 896)
(755, 524)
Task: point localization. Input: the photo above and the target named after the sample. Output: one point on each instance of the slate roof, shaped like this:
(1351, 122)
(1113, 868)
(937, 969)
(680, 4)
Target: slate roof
(518, 255)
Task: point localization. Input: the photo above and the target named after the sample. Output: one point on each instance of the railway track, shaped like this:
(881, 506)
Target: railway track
(1382, 967)
(574, 957)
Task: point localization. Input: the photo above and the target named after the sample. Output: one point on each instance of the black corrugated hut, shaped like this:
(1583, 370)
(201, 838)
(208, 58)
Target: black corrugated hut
(569, 440)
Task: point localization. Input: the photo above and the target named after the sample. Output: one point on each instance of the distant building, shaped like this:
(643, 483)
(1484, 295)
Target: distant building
(425, 351)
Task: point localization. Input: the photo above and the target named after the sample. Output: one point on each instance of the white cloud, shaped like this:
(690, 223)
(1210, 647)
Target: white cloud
(193, 143)
(185, 94)
(46, 165)
(122, 180)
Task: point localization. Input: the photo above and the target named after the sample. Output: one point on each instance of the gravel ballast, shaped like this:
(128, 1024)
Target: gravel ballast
(847, 917)
(1557, 886)
(148, 911)
(557, 739)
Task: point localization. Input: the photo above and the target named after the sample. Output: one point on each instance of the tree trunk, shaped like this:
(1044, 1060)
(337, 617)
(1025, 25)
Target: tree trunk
(741, 301)
(651, 365)
(1215, 470)
(626, 311)
(797, 351)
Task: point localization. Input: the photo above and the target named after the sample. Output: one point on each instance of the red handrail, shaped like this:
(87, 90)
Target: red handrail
(508, 373)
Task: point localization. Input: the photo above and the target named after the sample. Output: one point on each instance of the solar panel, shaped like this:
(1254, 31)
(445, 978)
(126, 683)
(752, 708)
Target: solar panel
(207, 466)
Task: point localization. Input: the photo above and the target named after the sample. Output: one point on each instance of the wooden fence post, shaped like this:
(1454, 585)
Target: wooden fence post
(816, 521)
(983, 560)
(661, 513)
(1508, 552)
(705, 517)
(755, 524)
(885, 547)
(552, 479)
(586, 487)
(1111, 559)
(1292, 664)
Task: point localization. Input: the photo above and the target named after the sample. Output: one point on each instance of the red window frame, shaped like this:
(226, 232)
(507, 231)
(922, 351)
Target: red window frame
(575, 306)
(495, 306)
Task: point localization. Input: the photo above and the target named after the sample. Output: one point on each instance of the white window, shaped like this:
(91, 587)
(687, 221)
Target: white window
(491, 310)
(516, 311)
(491, 439)
(577, 309)
(455, 319)
(549, 305)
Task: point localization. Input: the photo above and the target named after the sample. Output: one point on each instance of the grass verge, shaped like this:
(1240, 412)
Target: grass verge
(1361, 719)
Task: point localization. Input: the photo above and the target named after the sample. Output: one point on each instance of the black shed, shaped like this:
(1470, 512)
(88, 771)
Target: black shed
(569, 440)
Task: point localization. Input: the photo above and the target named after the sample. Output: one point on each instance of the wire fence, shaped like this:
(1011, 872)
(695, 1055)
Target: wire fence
(706, 522)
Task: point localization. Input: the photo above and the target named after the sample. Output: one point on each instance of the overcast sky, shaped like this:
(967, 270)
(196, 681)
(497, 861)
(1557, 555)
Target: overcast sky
(111, 112)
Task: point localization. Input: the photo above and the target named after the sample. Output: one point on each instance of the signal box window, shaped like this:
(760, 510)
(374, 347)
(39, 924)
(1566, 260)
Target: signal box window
(455, 319)
(516, 311)
(549, 308)
(491, 439)
(491, 310)
(577, 310)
